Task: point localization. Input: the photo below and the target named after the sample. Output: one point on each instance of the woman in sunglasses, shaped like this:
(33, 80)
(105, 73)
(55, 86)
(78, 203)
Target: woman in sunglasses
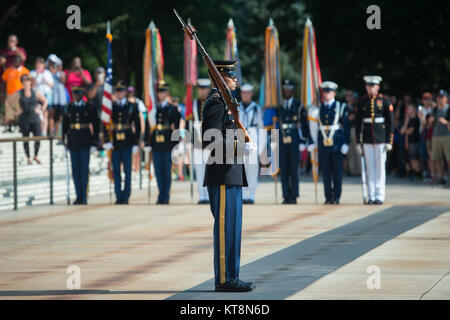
(28, 113)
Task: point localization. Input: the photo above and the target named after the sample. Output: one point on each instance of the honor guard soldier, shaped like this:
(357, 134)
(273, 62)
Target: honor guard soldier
(80, 135)
(167, 120)
(251, 117)
(199, 157)
(375, 119)
(330, 131)
(123, 139)
(224, 179)
(293, 126)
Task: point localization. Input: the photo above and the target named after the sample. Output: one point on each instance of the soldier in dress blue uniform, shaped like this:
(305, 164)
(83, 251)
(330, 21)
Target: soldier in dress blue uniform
(375, 119)
(160, 142)
(123, 138)
(224, 178)
(293, 126)
(330, 130)
(80, 135)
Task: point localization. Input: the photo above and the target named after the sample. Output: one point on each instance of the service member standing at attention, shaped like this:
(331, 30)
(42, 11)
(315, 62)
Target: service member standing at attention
(80, 135)
(251, 116)
(375, 118)
(224, 179)
(330, 130)
(199, 160)
(293, 121)
(124, 140)
(167, 120)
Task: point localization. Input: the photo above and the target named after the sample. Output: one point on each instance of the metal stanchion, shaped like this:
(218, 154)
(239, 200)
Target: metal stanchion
(51, 170)
(15, 174)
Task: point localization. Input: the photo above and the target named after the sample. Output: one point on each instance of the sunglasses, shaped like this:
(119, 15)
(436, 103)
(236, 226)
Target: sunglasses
(25, 79)
(78, 92)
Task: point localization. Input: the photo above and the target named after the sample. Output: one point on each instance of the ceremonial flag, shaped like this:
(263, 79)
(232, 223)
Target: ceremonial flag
(153, 68)
(190, 72)
(271, 83)
(231, 51)
(311, 76)
(311, 80)
(107, 91)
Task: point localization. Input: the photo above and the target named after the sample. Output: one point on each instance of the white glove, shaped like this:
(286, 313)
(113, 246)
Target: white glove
(134, 149)
(93, 150)
(107, 146)
(147, 148)
(359, 149)
(301, 147)
(311, 147)
(344, 149)
(250, 147)
(388, 147)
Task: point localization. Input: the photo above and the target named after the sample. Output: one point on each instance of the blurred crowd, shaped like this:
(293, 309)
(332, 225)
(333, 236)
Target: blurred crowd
(33, 101)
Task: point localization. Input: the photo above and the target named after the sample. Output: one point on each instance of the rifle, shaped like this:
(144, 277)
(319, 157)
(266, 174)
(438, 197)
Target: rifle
(231, 102)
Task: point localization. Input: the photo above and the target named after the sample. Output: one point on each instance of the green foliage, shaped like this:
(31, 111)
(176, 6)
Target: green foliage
(411, 51)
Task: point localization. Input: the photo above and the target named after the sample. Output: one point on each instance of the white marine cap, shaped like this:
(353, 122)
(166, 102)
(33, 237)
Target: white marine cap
(54, 58)
(203, 82)
(329, 85)
(372, 79)
(246, 87)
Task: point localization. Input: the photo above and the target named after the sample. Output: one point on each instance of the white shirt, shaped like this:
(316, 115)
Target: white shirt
(122, 102)
(329, 103)
(42, 79)
(288, 102)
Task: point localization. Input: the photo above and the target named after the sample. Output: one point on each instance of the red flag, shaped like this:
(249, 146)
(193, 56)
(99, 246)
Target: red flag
(190, 72)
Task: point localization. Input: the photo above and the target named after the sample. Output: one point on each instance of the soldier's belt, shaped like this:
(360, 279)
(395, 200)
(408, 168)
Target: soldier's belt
(374, 120)
(288, 126)
(328, 128)
(162, 127)
(121, 126)
(79, 126)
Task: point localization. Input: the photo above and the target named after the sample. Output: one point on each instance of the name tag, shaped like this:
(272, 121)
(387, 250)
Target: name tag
(160, 138)
(120, 136)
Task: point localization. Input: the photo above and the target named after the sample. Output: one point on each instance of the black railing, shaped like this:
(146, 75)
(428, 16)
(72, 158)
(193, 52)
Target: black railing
(14, 145)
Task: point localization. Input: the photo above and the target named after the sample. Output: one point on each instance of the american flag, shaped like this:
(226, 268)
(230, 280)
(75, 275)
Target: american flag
(107, 90)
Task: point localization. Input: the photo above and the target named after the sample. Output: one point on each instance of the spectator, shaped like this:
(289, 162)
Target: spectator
(77, 76)
(427, 136)
(12, 78)
(8, 54)
(142, 115)
(43, 82)
(411, 131)
(427, 104)
(441, 136)
(95, 90)
(59, 93)
(28, 113)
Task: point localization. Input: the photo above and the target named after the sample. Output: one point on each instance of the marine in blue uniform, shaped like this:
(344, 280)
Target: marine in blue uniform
(80, 135)
(123, 138)
(224, 178)
(293, 126)
(159, 140)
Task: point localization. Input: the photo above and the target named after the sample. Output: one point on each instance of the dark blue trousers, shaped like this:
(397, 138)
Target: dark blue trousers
(331, 165)
(226, 207)
(163, 165)
(289, 158)
(122, 156)
(80, 171)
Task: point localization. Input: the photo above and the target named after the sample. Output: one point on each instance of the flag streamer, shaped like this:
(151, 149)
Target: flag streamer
(231, 51)
(190, 73)
(153, 67)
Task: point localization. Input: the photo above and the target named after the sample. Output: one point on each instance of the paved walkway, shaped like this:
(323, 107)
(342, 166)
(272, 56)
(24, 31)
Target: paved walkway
(303, 251)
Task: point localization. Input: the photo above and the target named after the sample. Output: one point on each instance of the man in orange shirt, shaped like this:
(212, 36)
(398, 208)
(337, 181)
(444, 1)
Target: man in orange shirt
(12, 78)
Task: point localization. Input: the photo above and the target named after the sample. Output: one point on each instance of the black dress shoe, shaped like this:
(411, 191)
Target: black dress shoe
(371, 202)
(203, 202)
(293, 201)
(336, 201)
(244, 201)
(328, 202)
(235, 285)
(378, 202)
(250, 201)
(76, 202)
(118, 201)
(124, 201)
(285, 201)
